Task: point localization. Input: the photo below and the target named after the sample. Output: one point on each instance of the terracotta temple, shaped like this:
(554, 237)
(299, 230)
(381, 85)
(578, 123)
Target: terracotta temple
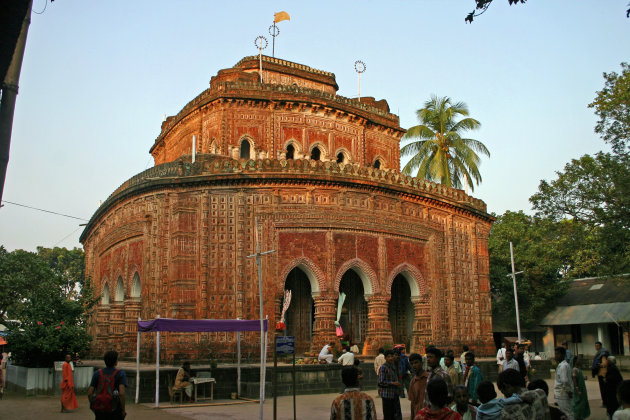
(320, 175)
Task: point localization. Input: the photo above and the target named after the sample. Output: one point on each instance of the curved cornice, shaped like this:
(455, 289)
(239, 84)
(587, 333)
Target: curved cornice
(217, 170)
(280, 95)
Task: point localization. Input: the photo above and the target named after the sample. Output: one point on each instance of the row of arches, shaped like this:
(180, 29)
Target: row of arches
(353, 318)
(293, 150)
(118, 295)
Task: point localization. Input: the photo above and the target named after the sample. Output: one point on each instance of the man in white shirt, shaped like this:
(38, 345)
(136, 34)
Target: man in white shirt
(326, 353)
(346, 358)
(563, 388)
(501, 357)
(510, 362)
(380, 360)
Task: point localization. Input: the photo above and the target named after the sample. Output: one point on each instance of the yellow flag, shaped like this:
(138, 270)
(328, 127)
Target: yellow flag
(280, 16)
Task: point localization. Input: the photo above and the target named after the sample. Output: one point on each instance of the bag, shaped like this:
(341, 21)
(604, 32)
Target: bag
(106, 399)
(339, 332)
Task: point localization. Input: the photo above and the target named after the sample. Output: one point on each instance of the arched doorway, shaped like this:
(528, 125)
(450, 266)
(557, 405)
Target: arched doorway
(301, 312)
(316, 153)
(401, 311)
(245, 149)
(290, 152)
(354, 312)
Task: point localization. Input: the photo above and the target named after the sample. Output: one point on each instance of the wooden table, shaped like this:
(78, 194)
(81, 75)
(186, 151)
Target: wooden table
(197, 381)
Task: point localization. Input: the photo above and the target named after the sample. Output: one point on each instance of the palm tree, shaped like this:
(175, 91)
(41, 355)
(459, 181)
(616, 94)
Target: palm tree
(440, 154)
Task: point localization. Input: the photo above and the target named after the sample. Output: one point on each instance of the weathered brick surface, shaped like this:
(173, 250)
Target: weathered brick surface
(185, 230)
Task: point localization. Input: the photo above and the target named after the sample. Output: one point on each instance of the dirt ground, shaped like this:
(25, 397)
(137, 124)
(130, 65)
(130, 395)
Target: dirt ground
(308, 407)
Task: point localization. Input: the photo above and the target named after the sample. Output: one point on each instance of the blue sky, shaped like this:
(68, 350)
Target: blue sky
(97, 78)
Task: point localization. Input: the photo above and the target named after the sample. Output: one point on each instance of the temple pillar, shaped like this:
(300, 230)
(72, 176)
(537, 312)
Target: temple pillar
(101, 330)
(132, 312)
(324, 323)
(117, 324)
(379, 329)
(422, 331)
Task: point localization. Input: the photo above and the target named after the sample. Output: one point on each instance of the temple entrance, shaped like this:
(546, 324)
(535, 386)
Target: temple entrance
(301, 312)
(354, 319)
(401, 311)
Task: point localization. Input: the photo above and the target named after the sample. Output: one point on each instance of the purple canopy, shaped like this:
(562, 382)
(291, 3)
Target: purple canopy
(200, 325)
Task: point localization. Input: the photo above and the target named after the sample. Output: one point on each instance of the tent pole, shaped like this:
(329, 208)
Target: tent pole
(157, 368)
(238, 363)
(265, 359)
(138, 363)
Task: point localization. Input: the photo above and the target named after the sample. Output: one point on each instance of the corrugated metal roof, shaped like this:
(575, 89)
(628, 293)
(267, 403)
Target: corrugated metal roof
(597, 290)
(588, 314)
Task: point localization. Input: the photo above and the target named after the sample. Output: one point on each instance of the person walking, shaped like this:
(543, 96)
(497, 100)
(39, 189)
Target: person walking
(68, 397)
(501, 357)
(612, 380)
(435, 371)
(472, 377)
(563, 387)
(352, 404)
(598, 367)
(106, 393)
(379, 360)
(418, 384)
(389, 387)
(579, 403)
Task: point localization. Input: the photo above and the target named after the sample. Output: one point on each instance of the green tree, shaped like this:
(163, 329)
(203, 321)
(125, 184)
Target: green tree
(595, 192)
(440, 153)
(545, 251)
(49, 316)
(612, 106)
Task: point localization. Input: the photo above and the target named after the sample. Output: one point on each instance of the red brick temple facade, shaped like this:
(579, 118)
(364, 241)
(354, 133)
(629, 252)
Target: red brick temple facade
(320, 174)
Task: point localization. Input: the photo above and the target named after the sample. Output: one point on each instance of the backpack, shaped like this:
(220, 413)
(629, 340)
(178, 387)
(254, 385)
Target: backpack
(106, 399)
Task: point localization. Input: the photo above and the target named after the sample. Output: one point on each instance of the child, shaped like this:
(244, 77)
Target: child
(467, 411)
(491, 406)
(624, 397)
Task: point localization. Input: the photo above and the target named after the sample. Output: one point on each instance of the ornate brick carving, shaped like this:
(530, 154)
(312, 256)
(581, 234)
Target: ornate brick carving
(186, 228)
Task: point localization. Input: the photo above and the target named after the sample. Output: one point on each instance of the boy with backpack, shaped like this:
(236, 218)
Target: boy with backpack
(107, 390)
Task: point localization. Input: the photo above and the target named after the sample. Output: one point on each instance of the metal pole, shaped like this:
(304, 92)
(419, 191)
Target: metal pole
(265, 360)
(260, 296)
(194, 151)
(273, 44)
(261, 80)
(359, 87)
(238, 364)
(275, 376)
(157, 368)
(518, 322)
(9, 95)
(138, 364)
(293, 374)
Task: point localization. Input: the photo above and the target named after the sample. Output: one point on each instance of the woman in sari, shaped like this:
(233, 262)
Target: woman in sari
(68, 399)
(579, 404)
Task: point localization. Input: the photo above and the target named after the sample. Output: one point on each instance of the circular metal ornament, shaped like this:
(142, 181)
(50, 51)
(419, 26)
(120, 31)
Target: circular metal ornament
(274, 31)
(261, 42)
(359, 66)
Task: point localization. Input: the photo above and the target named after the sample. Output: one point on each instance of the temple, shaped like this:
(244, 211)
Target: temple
(319, 175)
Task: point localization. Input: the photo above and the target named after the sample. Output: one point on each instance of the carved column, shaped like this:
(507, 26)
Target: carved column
(422, 331)
(116, 324)
(132, 312)
(101, 330)
(324, 324)
(379, 329)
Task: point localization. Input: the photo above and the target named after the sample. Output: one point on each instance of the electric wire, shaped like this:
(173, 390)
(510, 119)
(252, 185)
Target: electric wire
(66, 237)
(45, 211)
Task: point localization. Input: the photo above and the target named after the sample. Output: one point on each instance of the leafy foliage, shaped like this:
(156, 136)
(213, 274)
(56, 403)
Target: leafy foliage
(48, 313)
(441, 154)
(544, 250)
(612, 106)
(593, 191)
(482, 5)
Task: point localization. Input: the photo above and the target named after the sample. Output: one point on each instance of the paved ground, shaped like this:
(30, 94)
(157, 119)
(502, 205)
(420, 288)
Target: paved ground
(309, 407)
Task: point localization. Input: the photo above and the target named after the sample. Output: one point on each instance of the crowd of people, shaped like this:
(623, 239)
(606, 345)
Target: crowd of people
(440, 387)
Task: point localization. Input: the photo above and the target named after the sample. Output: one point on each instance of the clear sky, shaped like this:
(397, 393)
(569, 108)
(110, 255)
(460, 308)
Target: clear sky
(97, 78)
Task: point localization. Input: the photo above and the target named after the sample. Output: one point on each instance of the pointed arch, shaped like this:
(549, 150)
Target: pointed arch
(292, 149)
(247, 148)
(323, 151)
(120, 290)
(379, 163)
(213, 146)
(136, 289)
(414, 278)
(342, 155)
(312, 271)
(365, 272)
(105, 299)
